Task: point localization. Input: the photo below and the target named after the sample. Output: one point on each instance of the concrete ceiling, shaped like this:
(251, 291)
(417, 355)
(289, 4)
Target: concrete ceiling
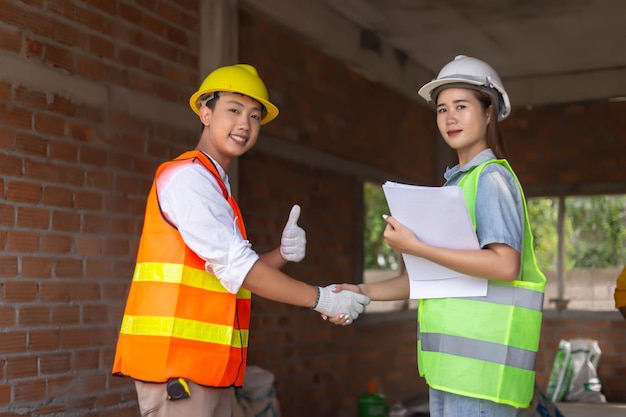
(546, 51)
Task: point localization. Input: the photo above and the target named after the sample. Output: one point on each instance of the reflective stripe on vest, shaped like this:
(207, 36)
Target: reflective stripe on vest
(485, 347)
(184, 329)
(477, 349)
(179, 320)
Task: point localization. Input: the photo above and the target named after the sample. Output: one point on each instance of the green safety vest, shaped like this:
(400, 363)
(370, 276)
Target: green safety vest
(485, 347)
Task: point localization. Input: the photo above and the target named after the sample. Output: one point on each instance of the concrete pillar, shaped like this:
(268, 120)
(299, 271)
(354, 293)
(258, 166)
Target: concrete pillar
(219, 46)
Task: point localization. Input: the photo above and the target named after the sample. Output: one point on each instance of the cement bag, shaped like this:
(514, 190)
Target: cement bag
(257, 396)
(585, 385)
(561, 375)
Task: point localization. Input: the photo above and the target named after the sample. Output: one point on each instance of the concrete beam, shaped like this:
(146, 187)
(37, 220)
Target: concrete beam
(38, 77)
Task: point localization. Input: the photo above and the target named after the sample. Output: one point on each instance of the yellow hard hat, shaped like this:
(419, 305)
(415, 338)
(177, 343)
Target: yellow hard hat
(241, 78)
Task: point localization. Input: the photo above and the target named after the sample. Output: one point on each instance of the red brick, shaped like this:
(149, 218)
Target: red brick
(92, 382)
(37, 170)
(153, 25)
(7, 136)
(62, 106)
(129, 57)
(63, 151)
(31, 144)
(19, 291)
(33, 218)
(98, 268)
(74, 338)
(68, 268)
(65, 221)
(33, 48)
(116, 248)
(96, 157)
(32, 99)
(15, 117)
(89, 67)
(65, 315)
(95, 223)
(12, 342)
(59, 56)
(36, 267)
(43, 340)
(33, 315)
(58, 197)
(18, 241)
(84, 291)
(49, 124)
(85, 360)
(64, 8)
(70, 35)
(130, 13)
(13, 14)
(60, 385)
(88, 246)
(91, 18)
(94, 313)
(71, 175)
(24, 192)
(7, 215)
(8, 266)
(101, 47)
(29, 390)
(10, 40)
(7, 316)
(57, 363)
(5, 395)
(21, 366)
(88, 200)
(80, 131)
(54, 292)
(56, 243)
(40, 24)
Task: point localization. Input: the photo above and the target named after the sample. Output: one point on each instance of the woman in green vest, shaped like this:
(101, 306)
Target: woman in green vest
(477, 354)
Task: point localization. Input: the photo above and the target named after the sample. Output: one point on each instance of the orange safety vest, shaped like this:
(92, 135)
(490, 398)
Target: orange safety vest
(180, 322)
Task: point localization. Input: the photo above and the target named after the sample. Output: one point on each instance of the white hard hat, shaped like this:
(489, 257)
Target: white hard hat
(467, 70)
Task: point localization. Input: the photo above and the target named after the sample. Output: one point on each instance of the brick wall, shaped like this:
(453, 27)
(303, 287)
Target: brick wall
(76, 168)
(75, 175)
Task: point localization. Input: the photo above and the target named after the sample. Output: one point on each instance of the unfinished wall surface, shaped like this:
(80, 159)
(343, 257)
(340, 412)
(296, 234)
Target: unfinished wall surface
(93, 97)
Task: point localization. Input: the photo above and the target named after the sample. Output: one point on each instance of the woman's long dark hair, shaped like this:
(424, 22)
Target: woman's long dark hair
(494, 138)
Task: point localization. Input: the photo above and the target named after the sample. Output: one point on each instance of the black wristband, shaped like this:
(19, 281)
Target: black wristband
(317, 300)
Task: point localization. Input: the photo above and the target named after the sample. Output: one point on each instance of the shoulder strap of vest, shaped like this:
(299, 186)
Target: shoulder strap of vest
(529, 271)
(469, 184)
(200, 157)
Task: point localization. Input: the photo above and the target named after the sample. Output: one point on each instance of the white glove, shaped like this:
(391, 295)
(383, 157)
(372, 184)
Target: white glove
(293, 240)
(345, 302)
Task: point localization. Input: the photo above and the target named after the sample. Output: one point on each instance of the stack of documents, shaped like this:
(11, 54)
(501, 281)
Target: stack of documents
(438, 216)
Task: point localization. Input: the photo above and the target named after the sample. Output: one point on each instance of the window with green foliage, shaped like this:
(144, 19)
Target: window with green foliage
(378, 255)
(594, 231)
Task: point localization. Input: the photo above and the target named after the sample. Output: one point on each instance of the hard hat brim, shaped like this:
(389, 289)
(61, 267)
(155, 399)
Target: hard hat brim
(271, 111)
(426, 91)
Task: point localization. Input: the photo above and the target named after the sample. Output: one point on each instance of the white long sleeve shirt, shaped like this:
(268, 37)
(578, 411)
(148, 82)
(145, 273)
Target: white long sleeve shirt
(192, 200)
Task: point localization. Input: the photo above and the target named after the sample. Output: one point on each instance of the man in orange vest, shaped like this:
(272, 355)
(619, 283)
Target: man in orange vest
(184, 334)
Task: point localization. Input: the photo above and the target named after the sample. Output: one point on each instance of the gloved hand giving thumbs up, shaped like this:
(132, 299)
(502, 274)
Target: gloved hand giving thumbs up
(293, 240)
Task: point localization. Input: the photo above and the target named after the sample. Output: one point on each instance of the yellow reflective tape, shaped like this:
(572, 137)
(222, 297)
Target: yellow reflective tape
(184, 329)
(181, 274)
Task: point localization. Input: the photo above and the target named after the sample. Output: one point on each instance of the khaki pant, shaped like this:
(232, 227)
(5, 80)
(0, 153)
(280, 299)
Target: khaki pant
(202, 402)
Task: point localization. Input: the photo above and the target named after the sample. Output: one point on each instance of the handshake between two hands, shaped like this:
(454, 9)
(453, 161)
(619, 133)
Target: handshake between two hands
(341, 303)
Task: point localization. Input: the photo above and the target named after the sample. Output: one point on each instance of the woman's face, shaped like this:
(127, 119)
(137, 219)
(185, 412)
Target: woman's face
(462, 121)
